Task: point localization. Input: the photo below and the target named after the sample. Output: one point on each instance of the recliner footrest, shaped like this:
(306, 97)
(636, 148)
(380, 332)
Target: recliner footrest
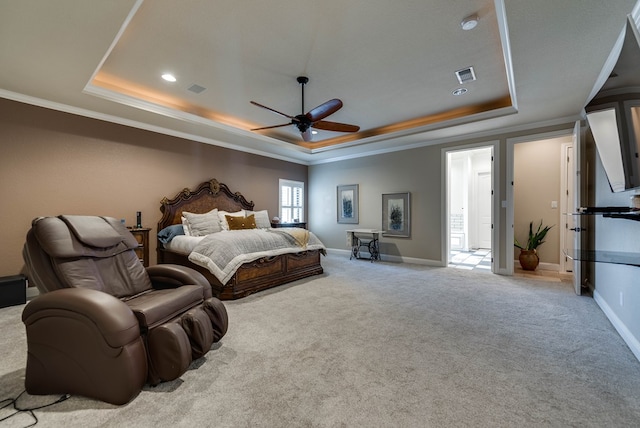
(218, 315)
(197, 325)
(169, 352)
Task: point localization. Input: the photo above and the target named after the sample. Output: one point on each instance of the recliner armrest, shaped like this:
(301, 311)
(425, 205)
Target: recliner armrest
(171, 276)
(114, 319)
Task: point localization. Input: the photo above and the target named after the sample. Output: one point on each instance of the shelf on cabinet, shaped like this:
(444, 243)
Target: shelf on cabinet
(610, 212)
(601, 256)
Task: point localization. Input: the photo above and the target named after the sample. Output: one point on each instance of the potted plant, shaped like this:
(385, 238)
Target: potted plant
(528, 258)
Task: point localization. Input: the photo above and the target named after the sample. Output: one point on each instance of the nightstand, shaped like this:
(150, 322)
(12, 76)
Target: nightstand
(142, 236)
(302, 225)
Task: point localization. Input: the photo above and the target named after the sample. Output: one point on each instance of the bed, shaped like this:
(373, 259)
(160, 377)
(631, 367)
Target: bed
(251, 276)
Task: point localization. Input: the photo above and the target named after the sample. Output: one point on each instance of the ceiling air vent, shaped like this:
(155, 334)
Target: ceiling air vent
(466, 75)
(196, 88)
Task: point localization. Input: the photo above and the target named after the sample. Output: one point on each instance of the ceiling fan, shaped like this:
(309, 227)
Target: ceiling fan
(313, 119)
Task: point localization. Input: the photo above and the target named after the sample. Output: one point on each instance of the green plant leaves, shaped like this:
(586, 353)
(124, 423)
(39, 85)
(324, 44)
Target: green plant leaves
(535, 239)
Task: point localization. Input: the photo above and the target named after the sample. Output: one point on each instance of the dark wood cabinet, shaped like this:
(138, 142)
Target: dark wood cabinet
(142, 236)
(302, 225)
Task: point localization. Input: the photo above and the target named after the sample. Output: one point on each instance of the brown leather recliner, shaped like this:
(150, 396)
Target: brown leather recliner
(103, 325)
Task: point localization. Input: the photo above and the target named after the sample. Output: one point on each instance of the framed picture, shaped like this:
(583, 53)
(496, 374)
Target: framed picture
(348, 204)
(396, 214)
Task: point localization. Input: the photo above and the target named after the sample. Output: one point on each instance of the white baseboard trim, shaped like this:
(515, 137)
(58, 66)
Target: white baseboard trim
(622, 329)
(413, 260)
(337, 251)
(555, 267)
(393, 259)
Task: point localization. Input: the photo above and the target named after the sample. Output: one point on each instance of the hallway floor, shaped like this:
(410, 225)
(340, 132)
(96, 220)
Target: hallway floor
(544, 275)
(479, 259)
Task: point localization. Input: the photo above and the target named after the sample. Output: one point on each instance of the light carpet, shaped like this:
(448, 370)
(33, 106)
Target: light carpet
(381, 345)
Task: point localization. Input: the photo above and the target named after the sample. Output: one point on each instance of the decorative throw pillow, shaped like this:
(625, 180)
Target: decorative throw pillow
(202, 224)
(262, 219)
(223, 219)
(239, 223)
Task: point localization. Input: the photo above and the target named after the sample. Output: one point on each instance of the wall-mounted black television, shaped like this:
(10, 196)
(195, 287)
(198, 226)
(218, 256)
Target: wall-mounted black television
(613, 116)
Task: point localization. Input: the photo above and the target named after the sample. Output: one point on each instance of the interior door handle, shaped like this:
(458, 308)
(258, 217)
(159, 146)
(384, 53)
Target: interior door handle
(579, 229)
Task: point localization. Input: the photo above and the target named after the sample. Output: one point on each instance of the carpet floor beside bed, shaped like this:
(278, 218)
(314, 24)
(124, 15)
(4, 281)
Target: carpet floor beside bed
(380, 345)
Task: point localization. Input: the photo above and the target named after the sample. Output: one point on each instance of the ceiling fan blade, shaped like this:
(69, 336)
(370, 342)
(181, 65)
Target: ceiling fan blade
(306, 135)
(335, 126)
(270, 109)
(269, 127)
(324, 110)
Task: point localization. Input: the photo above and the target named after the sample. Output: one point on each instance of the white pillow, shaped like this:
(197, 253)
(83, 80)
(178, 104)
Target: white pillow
(202, 224)
(185, 226)
(223, 220)
(262, 218)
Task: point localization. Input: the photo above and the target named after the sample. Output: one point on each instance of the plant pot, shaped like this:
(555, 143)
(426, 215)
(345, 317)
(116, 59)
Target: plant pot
(529, 259)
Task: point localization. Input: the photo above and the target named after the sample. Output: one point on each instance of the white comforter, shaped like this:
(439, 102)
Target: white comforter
(223, 252)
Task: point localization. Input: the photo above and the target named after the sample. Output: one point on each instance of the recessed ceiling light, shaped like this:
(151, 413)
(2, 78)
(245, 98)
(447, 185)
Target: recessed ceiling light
(470, 22)
(460, 91)
(169, 77)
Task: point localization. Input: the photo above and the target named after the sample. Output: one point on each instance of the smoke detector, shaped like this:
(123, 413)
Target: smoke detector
(470, 22)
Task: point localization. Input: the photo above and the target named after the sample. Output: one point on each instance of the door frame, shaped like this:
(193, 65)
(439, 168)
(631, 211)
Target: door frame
(511, 142)
(579, 188)
(566, 203)
(495, 211)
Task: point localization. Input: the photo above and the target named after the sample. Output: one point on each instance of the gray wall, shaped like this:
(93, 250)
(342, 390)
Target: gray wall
(416, 171)
(617, 289)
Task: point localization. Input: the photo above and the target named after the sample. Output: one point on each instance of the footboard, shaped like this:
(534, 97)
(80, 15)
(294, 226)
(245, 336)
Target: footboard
(258, 275)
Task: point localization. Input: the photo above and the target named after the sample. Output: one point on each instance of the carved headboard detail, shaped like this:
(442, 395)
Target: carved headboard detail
(207, 196)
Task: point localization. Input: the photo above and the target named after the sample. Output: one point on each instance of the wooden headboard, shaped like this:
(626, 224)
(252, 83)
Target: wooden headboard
(207, 196)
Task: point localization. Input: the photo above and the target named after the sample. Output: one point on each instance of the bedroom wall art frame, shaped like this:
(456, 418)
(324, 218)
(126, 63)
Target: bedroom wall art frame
(347, 200)
(396, 214)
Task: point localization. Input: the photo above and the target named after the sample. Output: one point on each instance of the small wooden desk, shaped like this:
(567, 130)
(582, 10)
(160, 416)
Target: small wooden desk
(367, 238)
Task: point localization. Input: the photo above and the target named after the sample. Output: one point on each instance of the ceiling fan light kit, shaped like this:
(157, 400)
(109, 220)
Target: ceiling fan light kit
(313, 118)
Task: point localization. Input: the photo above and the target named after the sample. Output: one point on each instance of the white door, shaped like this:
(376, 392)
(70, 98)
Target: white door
(484, 210)
(567, 205)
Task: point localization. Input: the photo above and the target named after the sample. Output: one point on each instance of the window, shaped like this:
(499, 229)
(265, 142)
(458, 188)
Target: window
(291, 201)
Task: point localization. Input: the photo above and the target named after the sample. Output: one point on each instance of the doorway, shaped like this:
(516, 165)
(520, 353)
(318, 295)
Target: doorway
(539, 171)
(469, 208)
